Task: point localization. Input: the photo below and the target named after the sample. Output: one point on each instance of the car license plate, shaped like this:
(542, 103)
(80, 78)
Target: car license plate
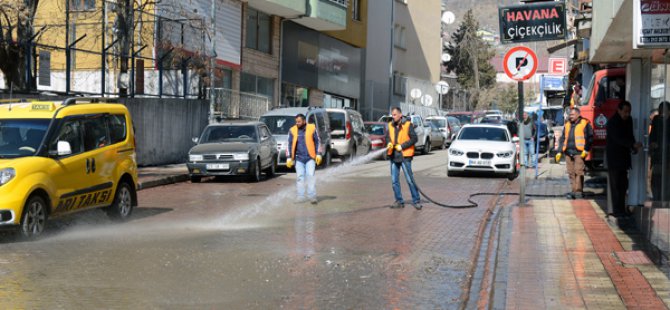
(475, 162)
(218, 166)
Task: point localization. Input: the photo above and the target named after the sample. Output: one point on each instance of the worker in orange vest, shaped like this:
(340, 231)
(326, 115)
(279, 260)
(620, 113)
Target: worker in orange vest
(303, 152)
(576, 144)
(400, 151)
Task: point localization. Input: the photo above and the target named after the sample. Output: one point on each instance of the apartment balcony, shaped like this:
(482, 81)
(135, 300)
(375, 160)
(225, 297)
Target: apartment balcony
(283, 8)
(325, 15)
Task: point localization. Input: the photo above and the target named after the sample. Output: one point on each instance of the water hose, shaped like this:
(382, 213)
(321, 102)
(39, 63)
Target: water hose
(472, 204)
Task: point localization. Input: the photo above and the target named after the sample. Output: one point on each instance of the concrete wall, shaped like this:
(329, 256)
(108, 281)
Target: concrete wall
(164, 128)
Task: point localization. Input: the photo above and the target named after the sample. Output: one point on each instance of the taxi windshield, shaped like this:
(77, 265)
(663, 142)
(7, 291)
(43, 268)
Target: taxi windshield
(21, 137)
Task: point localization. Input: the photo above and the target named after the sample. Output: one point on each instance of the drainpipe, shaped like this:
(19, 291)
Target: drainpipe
(391, 56)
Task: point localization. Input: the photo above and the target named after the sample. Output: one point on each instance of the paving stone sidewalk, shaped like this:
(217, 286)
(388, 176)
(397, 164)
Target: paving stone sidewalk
(565, 254)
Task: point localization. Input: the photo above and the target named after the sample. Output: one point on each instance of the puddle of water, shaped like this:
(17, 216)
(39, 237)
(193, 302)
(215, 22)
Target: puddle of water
(241, 218)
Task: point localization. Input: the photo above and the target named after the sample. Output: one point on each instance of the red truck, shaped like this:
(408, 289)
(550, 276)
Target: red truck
(606, 89)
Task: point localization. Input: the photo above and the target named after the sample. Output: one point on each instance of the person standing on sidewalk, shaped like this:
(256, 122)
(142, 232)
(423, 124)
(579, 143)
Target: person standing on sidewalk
(660, 154)
(400, 150)
(529, 131)
(576, 144)
(303, 140)
(620, 144)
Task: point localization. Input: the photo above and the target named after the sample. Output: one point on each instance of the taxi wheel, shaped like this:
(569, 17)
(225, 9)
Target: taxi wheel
(123, 203)
(34, 217)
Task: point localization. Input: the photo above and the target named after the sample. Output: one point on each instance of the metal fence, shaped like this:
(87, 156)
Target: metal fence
(230, 103)
(166, 54)
(408, 108)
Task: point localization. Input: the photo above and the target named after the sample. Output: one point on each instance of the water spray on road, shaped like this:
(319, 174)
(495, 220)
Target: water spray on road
(287, 195)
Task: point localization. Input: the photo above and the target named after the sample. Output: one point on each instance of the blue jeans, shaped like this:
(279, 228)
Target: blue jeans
(409, 176)
(305, 171)
(528, 160)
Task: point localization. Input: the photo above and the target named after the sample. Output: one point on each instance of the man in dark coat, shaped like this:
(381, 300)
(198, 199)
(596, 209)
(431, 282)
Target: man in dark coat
(620, 144)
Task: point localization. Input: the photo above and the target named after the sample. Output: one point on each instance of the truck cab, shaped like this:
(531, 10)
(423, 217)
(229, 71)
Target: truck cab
(604, 93)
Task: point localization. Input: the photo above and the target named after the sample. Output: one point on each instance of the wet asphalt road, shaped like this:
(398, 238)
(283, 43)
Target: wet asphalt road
(227, 244)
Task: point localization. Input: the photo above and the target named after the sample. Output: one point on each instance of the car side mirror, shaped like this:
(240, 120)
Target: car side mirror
(515, 139)
(195, 140)
(63, 148)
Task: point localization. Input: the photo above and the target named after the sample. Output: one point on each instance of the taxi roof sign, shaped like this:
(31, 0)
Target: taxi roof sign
(42, 106)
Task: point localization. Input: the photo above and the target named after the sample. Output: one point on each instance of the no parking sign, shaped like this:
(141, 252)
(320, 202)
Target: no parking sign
(520, 63)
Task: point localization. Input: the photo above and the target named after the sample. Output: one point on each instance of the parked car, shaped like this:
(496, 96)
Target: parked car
(61, 158)
(423, 131)
(230, 149)
(437, 139)
(484, 148)
(442, 123)
(421, 128)
(455, 127)
(465, 117)
(376, 131)
(348, 138)
(280, 121)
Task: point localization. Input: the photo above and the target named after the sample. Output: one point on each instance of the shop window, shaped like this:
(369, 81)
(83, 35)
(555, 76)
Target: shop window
(250, 83)
(294, 96)
(259, 31)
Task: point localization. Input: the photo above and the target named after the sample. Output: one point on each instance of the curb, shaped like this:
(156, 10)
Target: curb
(163, 181)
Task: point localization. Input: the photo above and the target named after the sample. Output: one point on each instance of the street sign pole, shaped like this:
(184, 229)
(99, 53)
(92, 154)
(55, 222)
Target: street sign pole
(522, 146)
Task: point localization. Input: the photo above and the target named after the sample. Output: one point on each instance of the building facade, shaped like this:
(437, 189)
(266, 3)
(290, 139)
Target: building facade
(403, 54)
(627, 33)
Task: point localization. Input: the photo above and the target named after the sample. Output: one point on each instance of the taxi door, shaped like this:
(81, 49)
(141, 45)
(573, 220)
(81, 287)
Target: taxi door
(102, 158)
(70, 171)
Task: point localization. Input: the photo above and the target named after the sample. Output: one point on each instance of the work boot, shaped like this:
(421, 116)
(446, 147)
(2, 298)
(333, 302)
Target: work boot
(578, 195)
(313, 201)
(397, 205)
(417, 206)
(570, 195)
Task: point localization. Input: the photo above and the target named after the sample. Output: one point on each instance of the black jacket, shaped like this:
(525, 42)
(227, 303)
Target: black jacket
(620, 141)
(658, 124)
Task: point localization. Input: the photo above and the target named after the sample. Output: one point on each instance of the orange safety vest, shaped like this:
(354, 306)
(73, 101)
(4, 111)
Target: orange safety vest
(403, 136)
(309, 140)
(580, 134)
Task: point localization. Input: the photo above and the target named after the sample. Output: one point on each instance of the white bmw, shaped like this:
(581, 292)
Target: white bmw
(482, 147)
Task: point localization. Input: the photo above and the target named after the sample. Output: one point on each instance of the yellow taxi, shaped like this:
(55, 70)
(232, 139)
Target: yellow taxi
(57, 158)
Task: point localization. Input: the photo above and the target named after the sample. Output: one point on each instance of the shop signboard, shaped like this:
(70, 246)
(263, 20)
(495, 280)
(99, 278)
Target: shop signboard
(651, 23)
(532, 22)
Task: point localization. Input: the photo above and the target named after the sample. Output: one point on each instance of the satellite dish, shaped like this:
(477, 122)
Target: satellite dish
(427, 100)
(442, 87)
(415, 93)
(446, 57)
(448, 17)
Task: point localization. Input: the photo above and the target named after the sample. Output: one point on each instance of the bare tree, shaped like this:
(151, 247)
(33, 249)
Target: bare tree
(16, 35)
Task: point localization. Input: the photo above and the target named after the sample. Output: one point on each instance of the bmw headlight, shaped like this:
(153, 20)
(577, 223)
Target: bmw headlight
(455, 152)
(241, 156)
(505, 154)
(194, 157)
(7, 175)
